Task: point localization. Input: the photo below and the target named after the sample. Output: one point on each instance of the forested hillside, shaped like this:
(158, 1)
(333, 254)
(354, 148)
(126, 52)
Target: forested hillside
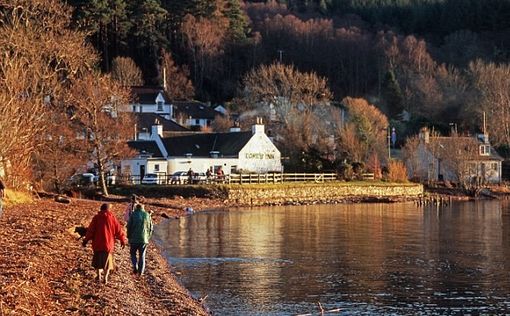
(425, 56)
(392, 63)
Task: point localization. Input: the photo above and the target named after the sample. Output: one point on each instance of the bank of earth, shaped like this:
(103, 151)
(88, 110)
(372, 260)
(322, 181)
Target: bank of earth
(44, 270)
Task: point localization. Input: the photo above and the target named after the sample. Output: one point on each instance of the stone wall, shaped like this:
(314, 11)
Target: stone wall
(321, 193)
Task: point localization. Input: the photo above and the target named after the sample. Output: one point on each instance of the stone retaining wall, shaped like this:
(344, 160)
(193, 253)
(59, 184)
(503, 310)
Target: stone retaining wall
(321, 193)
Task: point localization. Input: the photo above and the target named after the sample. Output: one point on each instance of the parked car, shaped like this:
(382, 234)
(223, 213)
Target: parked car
(150, 178)
(199, 177)
(179, 177)
(83, 179)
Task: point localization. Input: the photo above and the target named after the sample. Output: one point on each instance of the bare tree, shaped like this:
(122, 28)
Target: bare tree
(285, 88)
(95, 102)
(412, 157)
(62, 154)
(204, 40)
(492, 85)
(177, 85)
(222, 123)
(40, 55)
(296, 106)
(455, 153)
(126, 72)
(352, 147)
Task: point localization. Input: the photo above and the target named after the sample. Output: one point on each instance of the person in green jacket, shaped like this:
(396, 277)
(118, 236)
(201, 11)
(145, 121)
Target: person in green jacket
(139, 232)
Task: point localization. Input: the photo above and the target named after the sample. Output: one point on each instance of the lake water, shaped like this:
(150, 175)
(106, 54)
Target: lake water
(363, 259)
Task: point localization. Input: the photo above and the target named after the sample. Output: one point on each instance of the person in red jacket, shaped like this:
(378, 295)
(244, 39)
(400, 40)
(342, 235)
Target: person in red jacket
(103, 230)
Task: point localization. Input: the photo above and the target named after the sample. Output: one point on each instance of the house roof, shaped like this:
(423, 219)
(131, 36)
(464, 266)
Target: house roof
(146, 120)
(148, 95)
(200, 145)
(146, 146)
(466, 144)
(194, 109)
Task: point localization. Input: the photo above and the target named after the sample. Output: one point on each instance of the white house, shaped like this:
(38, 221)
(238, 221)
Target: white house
(235, 152)
(190, 114)
(466, 159)
(151, 100)
(193, 114)
(151, 156)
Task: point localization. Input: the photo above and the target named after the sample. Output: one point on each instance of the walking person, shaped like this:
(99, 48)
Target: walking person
(103, 230)
(139, 232)
(190, 176)
(130, 208)
(220, 175)
(2, 195)
(208, 174)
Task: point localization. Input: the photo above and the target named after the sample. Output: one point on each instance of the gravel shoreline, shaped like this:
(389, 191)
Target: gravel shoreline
(44, 270)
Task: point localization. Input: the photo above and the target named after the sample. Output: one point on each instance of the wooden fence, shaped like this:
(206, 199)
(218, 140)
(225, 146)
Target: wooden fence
(243, 178)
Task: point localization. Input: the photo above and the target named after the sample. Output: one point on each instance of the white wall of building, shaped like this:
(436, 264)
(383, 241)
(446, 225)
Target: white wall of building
(165, 110)
(260, 155)
(151, 165)
(201, 164)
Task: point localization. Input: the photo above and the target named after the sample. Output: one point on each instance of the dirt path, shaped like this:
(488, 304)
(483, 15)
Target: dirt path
(44, 270)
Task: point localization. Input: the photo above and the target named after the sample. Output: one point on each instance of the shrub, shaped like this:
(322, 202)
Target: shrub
(13, 197)
(374, 165)
(345, 172)
(397, 171)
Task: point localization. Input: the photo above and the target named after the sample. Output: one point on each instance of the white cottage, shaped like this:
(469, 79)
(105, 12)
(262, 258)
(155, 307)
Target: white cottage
(235, 152)
(151, 100)
(464, 159)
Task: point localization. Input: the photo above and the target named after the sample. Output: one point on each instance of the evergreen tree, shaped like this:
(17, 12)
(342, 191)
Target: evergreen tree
(108, 23)
(393, 95)
(238, 26)
(149, 34)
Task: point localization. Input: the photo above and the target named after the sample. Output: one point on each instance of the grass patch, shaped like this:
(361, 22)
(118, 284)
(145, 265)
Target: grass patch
(17, 197)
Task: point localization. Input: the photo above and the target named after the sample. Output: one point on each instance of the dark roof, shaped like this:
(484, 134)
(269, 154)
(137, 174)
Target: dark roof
(200, 145)
(194, 109)
(146, 120)
(148, 95)
(469, 145)
(146, 146)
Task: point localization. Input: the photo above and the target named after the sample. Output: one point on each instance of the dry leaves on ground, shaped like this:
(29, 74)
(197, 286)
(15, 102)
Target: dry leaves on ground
(44, 270)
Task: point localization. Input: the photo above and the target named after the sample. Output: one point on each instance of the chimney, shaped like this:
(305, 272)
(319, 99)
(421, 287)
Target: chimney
(258, 127)
(156, 130)
(235, 128)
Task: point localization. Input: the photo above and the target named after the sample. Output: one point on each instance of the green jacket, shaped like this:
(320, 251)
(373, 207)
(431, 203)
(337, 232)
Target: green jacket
(139, 227)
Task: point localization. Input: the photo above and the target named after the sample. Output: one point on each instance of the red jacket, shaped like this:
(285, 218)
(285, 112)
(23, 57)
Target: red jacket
(103, 230)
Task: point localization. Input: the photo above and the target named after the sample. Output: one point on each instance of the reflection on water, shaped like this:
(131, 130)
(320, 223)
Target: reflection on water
(362, 258)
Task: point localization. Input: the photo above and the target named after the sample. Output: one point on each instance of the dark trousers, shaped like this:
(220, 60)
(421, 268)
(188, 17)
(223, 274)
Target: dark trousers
(138, 263)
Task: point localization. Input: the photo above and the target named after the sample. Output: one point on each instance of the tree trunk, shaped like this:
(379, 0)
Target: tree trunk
(55, 179)
(100, 170)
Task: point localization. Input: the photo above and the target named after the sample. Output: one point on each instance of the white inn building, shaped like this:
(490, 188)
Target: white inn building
(235, 152)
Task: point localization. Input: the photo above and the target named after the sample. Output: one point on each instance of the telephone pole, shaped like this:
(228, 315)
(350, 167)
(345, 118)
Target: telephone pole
(280, 52)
